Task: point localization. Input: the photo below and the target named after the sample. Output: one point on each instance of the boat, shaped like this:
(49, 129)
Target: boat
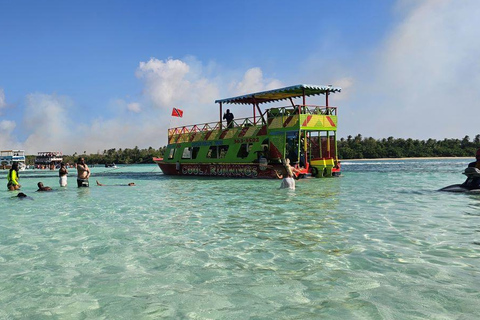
(472, 184)
(8, 157)
(48, 159)
(257, 146)
(110, 165)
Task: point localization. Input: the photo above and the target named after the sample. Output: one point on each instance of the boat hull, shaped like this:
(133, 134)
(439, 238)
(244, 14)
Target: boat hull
(221, 170)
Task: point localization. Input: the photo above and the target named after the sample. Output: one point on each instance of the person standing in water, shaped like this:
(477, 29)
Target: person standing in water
(83, 173)
(63, 175)
(473, 180)
(13, 178)
(475, 163)
(288, 181)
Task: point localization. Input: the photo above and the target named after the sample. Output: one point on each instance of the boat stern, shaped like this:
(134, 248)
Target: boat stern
(325, 167)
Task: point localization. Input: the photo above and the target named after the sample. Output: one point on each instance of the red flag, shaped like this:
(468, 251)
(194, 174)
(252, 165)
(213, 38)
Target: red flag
(177, 113)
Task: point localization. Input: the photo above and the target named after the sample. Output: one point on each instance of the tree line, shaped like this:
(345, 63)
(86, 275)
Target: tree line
(350, 148)
(369, 148)
(117, 156)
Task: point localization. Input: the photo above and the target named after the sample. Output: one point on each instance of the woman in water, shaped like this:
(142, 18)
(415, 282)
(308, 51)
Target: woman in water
(13, 178)
(288, 181)
(63, 175)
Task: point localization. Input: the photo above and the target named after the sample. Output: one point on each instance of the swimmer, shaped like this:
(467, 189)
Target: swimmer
(130, 184)
(22, 196)
(41, 187)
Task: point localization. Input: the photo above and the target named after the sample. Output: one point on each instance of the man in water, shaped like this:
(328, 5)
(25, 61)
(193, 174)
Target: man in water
(473, 178)
(41, 187)
(476, 163)
(83, 173)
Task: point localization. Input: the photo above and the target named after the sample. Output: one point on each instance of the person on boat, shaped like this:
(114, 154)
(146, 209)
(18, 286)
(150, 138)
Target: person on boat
(130, 184)
(41, 187)
(473, 180)
(63, 172)
(13, 178)
(228, 116)
(83, 173)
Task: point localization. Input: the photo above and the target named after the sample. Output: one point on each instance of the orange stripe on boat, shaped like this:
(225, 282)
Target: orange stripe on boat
(242, 133)
(285, 123)
(262, 131)
(331, 121)
(307, 120)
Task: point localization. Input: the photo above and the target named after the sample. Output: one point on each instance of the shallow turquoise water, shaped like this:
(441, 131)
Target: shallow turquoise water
(378, 243)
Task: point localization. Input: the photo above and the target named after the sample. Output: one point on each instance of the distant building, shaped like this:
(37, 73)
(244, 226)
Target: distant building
(8, 157)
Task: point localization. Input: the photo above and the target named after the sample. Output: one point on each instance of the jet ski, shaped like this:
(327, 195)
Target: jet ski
(472, 184)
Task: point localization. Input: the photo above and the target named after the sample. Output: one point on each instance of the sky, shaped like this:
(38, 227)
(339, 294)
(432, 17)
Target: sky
(88, 76)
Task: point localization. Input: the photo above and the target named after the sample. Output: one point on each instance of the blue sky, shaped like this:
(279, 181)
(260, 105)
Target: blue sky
(92, 75)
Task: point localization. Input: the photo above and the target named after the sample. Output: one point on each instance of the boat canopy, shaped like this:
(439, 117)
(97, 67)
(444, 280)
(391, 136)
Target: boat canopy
(300, 90)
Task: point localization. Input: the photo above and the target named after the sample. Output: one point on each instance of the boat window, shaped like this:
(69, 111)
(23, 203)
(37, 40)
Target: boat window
(244, 150)
(212, 152)
(187, 153)
(265, 144)
(195, 152)
(222, 151)
(171, 155)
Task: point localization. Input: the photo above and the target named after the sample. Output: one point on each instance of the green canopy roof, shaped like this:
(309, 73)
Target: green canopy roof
(280, 94)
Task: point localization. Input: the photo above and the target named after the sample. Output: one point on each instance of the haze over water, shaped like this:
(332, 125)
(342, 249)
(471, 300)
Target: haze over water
(378, 243)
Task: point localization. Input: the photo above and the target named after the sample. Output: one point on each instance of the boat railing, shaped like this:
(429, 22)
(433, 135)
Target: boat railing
(213, 126)
(254, 121)
(304, 109)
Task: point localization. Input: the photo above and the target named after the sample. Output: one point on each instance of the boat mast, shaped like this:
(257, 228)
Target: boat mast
(328, 132)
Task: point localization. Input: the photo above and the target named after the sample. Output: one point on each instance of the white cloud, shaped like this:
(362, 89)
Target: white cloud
(165, 81)
(53, 122)
(176, 83)
(253, 81)
(3, 103)
(134, 107)
(47, 121)
(7, 140)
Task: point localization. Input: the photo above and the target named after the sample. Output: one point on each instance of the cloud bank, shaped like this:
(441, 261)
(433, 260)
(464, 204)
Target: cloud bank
(54, 123)
(425, 76)
(3, 103)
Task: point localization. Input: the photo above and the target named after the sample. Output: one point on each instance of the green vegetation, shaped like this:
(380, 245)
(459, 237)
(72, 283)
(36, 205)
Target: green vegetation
(369, 148)
(351, 148)
(120, 156)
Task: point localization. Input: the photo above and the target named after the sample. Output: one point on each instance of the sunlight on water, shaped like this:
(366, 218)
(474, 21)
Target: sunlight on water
(378, 243)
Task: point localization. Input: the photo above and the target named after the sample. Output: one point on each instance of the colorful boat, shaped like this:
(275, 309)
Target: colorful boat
(8, 157)
(48, 159)
(256, 147)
